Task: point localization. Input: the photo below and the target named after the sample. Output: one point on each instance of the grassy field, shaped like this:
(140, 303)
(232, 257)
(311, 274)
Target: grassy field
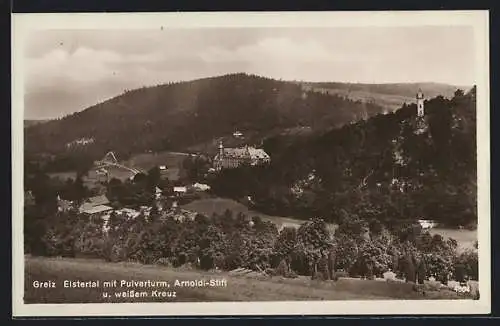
(236, 288)
(63, 175)
(219, 205)
(465, 238)
(146, 161)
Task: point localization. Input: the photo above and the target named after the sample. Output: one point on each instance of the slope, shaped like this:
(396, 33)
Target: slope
(382, 168)
(178, 115)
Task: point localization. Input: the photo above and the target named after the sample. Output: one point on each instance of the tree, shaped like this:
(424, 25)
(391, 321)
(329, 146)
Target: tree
(154, 176)
(313, 240)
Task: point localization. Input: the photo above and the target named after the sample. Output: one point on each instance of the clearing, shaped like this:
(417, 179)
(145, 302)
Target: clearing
(146, 161)
(465, 238)
(238, 288)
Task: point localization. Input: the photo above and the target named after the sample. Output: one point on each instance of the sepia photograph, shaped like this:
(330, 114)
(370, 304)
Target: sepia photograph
(249, 163)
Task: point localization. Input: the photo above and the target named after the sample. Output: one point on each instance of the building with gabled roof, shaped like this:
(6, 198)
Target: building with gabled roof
(95, 205)
(234, 157)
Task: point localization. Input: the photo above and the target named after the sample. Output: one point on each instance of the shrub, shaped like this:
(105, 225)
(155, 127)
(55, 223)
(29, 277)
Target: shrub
(466, 264)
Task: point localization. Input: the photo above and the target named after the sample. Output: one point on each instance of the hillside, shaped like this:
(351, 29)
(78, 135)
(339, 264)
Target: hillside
(174, 116)
(191, 115)
(379, 169)
(390, 96)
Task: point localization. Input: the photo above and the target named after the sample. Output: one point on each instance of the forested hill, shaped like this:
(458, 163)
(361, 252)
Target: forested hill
(178, 115)
(382, 168)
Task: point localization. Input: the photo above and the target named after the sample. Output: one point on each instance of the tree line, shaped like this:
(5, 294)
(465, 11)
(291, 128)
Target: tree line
(227, 241)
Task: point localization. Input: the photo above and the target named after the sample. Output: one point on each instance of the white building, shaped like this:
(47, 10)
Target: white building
(180, 190)
(234, 157)
(427, 224)
(201, 186)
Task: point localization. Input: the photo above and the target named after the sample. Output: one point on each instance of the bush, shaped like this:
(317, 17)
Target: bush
(467, 266)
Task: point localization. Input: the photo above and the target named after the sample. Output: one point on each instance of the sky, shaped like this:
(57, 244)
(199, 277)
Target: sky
(69, 70)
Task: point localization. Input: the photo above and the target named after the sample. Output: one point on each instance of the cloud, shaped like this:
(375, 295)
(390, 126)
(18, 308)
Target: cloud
(91, 65)
(269, 49)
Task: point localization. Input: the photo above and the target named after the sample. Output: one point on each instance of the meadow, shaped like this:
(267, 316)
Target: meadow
(465, 238)
(146, 161)
(238, 288)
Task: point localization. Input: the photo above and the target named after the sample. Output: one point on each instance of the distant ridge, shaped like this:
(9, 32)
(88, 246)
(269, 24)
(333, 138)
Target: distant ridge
(176, 116)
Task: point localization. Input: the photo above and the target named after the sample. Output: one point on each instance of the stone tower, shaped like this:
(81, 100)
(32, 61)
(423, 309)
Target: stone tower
(221, 150)
(420, 103)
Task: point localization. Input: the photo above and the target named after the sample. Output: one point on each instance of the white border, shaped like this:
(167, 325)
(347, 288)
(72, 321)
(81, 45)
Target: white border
(23, 24)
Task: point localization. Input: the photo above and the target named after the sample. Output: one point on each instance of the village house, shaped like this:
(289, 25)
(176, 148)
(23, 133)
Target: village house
(427, 224)
(201, 186)
(234, 157)
(96, 206)
(180, 190)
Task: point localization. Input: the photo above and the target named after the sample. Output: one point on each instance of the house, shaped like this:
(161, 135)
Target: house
(96, 206)
(427, 224)
(234, 157)
(98, 210)
(201, 186)
(237, 134)
(180, 190)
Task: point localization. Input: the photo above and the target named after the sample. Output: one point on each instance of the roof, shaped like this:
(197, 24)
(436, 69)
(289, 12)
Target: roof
(257, 153)
(245, 152)
(97, 209)
(92, 202)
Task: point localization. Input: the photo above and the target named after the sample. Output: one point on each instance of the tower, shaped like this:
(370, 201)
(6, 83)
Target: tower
(221, 149)
(420, 103)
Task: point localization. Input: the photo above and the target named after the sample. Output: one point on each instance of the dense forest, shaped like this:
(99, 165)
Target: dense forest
(178, 115)
(380, 169)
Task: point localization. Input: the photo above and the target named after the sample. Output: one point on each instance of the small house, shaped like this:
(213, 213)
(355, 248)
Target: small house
(96, 206)
(427, 224)
(201, 187)
(180, 190)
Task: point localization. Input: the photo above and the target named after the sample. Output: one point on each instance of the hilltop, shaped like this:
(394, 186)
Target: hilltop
(190, 115)
(380, 169)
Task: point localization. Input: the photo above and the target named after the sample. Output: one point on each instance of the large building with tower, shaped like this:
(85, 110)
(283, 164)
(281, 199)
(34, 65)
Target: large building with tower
(234, 157)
